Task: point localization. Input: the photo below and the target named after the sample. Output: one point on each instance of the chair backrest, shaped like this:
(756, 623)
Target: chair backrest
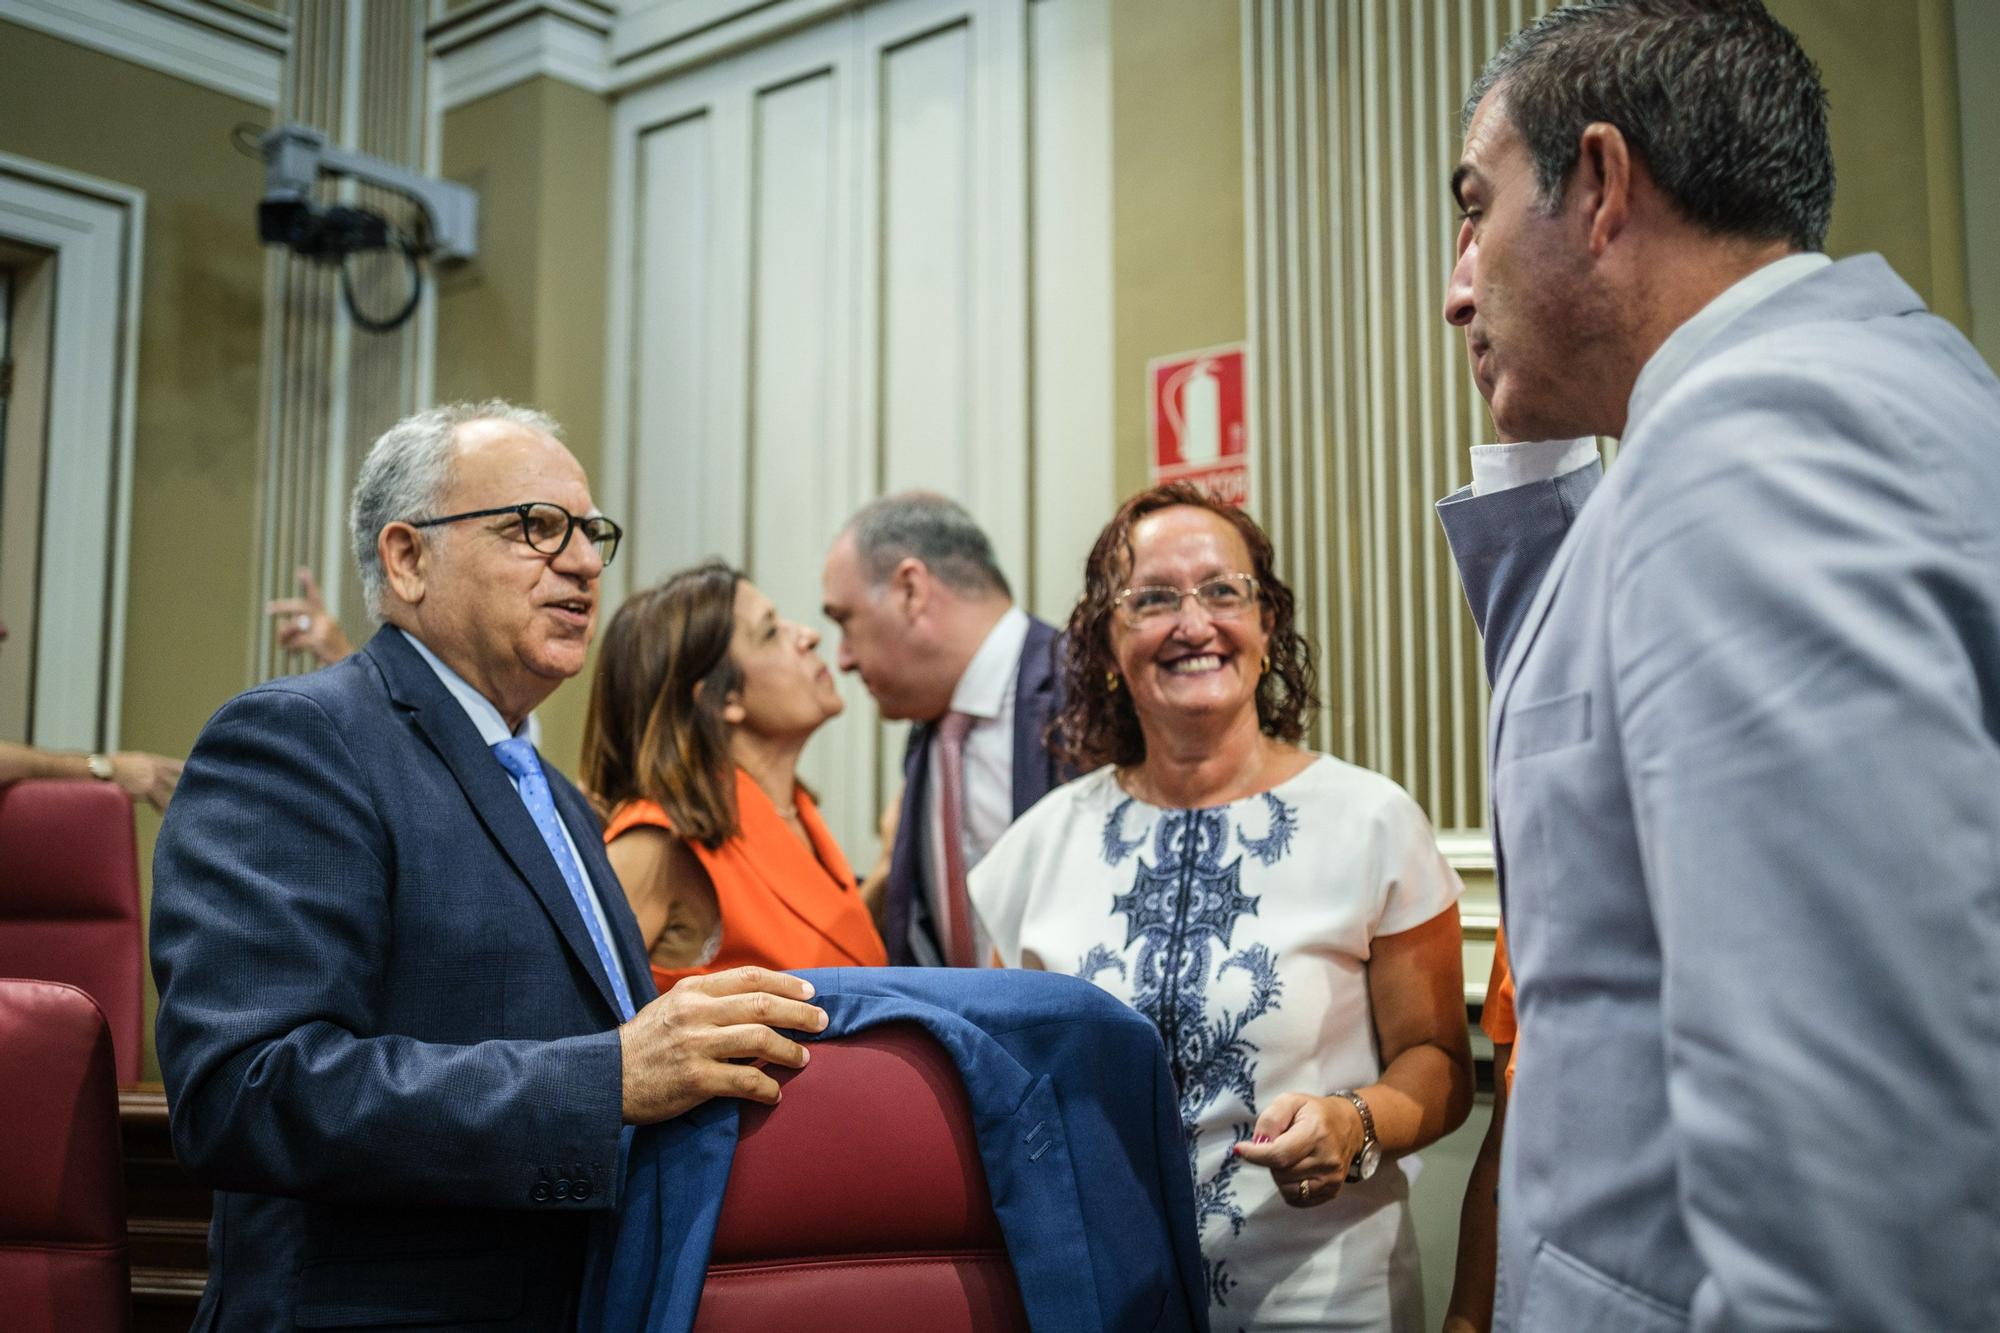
(69, 899)
(63, 1261)
(859, 1202)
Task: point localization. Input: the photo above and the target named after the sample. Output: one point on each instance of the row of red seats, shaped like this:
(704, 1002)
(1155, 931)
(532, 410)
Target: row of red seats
(70, 1035)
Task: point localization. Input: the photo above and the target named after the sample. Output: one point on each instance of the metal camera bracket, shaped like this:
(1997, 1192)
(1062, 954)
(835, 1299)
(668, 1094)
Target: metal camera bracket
(296, 156)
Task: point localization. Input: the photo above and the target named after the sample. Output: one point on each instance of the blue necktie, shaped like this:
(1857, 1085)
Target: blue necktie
(517, 756)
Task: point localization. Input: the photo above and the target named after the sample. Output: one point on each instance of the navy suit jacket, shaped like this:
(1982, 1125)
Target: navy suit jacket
(1079, 1131)
(1038, 697)
(387, 1040)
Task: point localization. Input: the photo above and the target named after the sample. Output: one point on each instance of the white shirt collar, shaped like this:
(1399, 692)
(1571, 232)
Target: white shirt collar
(1681, 346)
(982, 689)
(486, 717)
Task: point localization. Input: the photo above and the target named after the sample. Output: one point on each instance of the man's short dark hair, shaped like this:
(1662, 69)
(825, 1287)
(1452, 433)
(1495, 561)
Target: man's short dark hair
(935, 530)
(1716, 96)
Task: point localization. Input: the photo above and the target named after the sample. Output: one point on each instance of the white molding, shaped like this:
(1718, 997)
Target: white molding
(677, 35)
(209, 44)
(1467, 849)
(95, 229)
(481, 52)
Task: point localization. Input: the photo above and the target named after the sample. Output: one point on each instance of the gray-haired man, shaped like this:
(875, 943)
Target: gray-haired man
(927, 619)
(404, 1008)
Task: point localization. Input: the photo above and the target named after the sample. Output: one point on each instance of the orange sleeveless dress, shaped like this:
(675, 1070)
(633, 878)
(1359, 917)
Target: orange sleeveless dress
(782, 906)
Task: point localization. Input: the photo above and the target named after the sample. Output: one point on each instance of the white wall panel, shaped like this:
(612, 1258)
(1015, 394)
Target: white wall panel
(801, 456)
(925, 249)
(1073, 486)
(821, 290)
(678, 479)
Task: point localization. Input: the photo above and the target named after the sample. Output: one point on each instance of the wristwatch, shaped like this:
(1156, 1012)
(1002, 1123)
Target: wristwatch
(1370, 1155)
(100, 767)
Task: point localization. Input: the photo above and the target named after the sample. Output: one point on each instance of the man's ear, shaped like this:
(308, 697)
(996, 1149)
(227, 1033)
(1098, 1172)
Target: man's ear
(1601, 185)
(910, 585)
(405, 561)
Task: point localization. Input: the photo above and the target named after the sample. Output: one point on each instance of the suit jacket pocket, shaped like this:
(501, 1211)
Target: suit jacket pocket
(411, 1290)
(1566, 1295)
(1536, 728)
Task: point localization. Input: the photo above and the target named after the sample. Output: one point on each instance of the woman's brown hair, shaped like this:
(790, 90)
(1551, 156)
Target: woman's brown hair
(1097, 724)
(655, 729)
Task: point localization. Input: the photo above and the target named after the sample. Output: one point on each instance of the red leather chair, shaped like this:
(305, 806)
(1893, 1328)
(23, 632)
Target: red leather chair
(858, 1204)
(63, 1261)
(69, 899)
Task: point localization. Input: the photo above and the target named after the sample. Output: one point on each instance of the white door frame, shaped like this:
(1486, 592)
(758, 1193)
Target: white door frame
(95, 230)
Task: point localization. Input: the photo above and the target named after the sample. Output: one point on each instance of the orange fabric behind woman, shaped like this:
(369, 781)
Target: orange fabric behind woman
(1497, 1019)
(782, 906)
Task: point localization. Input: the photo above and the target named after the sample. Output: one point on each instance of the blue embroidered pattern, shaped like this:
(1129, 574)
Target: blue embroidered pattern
(1182, 904)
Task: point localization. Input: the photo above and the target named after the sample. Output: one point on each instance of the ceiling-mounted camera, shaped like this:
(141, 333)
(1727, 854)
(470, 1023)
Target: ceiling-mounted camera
(295, 157)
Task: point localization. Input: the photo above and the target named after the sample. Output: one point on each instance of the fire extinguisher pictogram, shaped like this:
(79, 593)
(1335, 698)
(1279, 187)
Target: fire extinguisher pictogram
(1192, 401)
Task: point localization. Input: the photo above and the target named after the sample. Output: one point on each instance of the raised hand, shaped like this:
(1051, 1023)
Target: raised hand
(303, 625)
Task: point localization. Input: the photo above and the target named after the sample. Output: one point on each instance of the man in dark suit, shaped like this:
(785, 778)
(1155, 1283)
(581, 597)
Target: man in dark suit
(397, 977)
(927, 619)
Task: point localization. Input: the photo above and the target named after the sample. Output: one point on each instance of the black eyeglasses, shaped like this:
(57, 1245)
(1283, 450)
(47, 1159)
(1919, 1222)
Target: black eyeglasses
(547, 527)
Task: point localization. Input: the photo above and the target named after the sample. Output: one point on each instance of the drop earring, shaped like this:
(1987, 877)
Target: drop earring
(1111, 682)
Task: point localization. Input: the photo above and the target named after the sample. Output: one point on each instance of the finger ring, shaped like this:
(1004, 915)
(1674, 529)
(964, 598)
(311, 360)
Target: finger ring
(302, 622)
(1305, 1190)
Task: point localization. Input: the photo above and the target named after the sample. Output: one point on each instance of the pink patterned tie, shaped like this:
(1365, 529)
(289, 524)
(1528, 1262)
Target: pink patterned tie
(952, 729)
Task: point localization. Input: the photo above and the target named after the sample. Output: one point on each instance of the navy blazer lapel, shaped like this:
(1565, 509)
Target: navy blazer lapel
(1033, 691)
(906, 878)
(490, 792)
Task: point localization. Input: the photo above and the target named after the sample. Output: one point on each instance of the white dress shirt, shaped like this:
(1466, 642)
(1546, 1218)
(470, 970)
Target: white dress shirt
(986, 692)
(1499, 467)
(492, 730)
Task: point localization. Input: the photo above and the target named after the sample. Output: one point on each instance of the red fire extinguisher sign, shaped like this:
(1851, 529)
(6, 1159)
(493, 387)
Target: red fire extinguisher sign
(1196, 425)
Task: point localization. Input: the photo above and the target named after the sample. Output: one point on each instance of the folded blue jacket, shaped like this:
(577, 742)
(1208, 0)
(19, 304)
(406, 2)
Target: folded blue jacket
(1078, 1128)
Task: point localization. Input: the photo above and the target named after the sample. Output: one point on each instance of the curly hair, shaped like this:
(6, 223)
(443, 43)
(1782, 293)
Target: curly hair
(655, 728)
(1098, 724)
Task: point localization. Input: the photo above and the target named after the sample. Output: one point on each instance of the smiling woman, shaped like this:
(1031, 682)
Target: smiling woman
(703, 701)
(1283, 917)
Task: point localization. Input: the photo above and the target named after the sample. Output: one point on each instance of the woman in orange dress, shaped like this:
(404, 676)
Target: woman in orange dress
(702, 703)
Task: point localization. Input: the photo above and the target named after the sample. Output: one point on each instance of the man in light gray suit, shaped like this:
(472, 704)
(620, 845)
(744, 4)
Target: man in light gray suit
(1747, 687)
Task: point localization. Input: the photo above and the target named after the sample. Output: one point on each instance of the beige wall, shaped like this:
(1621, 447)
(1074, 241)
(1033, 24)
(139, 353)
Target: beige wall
(1177, 140)
(201, 316)
(1893, 87)
(525, 320)
(1177, 176)
(1177, 196)
(1978, 56)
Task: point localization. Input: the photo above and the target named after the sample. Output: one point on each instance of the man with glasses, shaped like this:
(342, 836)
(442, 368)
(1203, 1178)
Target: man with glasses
(405, 1014)
(927, 620)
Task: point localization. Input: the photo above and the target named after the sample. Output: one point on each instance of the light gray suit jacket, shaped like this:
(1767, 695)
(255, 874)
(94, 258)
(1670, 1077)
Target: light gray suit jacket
(1746, 785)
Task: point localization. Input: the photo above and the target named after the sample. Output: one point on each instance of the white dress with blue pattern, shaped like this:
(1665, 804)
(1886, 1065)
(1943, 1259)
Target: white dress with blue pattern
(1244, 932)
